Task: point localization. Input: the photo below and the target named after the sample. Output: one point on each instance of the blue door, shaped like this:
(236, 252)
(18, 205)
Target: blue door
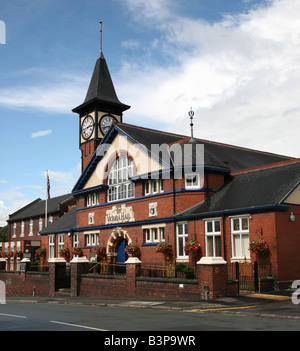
(121, 254)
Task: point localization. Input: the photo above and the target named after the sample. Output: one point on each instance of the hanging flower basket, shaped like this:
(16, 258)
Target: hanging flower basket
(77, 251)
(166, 249)
(192, 248)
(19, 253)
(65, 253)
(132, 250)
(258, 246)
(100, 252)
(40, 252)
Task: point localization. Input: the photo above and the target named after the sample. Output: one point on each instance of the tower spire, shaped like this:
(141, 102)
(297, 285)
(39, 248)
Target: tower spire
(100, 37)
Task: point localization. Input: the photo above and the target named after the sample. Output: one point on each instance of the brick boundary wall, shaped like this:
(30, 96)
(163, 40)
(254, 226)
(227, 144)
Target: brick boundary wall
(211, 282)
(26, 284)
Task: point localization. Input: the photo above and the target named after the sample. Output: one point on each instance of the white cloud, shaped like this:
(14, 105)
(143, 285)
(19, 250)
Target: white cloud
(241, 75)
(41, 133)
(154, 10)
(54, 91)
(131, 44)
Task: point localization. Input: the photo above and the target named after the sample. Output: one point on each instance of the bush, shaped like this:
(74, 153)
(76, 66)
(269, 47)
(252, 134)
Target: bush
(188, 271)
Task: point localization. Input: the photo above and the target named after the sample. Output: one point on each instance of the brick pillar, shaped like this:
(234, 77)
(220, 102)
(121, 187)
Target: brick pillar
(56, 267)
(2, 264)
(133, 265)
(212, 275)
(79, 265)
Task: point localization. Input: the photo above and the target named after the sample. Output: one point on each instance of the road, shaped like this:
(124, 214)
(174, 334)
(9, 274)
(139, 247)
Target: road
(26, 316)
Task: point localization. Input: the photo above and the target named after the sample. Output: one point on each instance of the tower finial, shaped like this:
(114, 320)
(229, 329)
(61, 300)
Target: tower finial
(100, 36)
(191, 114)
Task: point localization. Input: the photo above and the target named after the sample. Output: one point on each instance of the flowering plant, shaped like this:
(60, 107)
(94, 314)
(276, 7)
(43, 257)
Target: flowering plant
(77, 251)
(258, 246)
(40, 252)
(18, 253)
(132, 250)
(165, 249)
(10, 254)
(4, 254)
(65, 253)
(100, 252)
(192, 247)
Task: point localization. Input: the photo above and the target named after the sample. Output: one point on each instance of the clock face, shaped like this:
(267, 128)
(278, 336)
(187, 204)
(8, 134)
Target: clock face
(106, 122)
(87, 127)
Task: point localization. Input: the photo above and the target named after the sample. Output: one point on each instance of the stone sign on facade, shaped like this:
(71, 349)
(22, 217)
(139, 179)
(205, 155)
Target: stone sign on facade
(119, 214)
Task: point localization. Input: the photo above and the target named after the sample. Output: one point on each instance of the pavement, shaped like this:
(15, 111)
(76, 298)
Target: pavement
(277, 304)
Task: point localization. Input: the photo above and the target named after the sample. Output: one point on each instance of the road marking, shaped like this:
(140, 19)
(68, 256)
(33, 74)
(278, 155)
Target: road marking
(220, 309)
(270, 297)
(78, 326)
(12, 315)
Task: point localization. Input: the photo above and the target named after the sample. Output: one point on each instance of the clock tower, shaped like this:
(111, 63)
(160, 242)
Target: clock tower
(99, 110)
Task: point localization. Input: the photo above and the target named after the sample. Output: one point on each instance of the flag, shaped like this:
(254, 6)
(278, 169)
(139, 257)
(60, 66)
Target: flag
(48, 186)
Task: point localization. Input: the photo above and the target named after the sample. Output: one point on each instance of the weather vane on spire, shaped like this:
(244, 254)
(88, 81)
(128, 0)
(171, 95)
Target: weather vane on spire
(191, 114)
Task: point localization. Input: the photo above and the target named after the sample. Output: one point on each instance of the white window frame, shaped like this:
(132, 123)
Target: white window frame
(31, 226)
(181, 239)
(154, 233)
(120, 186)
(14, 229)
(61, 242)
(75, 240)
(51, 245)
(40, 224)
(193, 184)
(148, 238)
(242, 236)
(22, 228)
(153, 187)
(212, 234)
(162, 234)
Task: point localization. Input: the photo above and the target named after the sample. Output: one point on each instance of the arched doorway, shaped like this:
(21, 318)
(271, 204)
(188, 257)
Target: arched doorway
(116, 245)
(121, 254)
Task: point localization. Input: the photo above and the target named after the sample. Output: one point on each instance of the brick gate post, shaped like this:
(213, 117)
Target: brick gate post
(133, 265)
(79, 265)
(212, 275)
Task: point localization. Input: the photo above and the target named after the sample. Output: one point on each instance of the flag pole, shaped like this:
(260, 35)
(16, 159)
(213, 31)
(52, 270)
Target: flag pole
(46, 203)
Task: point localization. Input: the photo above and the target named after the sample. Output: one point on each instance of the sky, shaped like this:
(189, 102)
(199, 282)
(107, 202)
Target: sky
(235, 62)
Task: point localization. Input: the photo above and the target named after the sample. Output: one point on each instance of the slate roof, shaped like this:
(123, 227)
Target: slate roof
(37, 208)
(215, 154)
(64, 224)
(101, 88)
(223, 157)
(252, 190)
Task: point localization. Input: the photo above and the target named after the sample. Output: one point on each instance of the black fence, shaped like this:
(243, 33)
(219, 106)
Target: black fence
(249, 273)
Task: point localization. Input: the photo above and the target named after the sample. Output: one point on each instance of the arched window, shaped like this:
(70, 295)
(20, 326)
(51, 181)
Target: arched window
(120, 187)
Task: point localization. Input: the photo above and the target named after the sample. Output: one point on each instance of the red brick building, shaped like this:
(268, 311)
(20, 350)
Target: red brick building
(25, 224)
(143, 187)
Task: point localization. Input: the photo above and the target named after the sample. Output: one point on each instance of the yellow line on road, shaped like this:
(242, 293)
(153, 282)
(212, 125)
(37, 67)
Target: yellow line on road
(269, 296)
(219, 309)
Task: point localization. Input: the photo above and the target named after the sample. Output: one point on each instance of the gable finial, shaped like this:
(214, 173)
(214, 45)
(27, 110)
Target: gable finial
(191, 114)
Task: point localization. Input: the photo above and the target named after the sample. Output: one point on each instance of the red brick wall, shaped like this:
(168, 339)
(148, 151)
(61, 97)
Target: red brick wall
(288, 245)
(21, 284)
